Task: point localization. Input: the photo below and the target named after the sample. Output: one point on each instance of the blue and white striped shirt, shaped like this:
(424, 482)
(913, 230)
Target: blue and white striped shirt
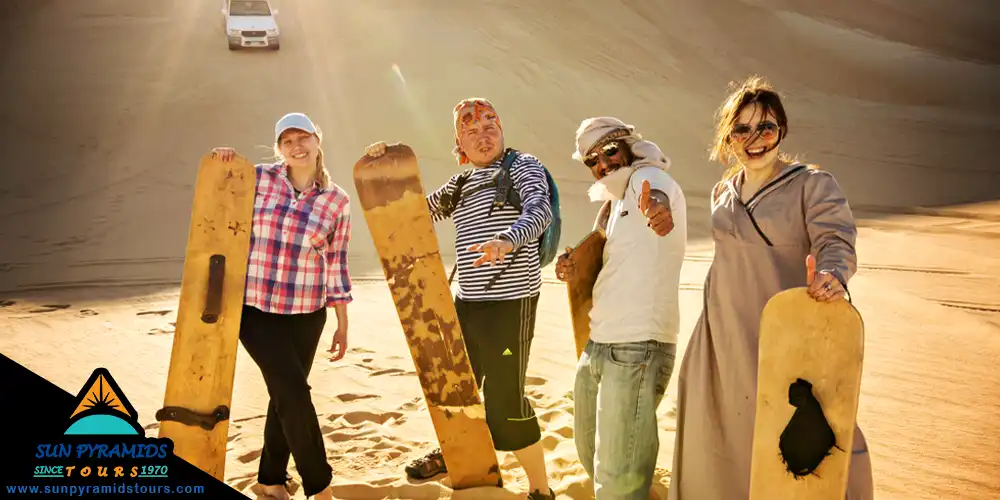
(520, 275)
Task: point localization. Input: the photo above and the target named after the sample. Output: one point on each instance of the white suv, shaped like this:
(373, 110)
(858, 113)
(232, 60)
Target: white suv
(250, 23)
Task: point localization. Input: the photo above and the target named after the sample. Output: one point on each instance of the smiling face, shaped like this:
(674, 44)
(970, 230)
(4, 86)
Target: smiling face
(751, 124)
(299, 148)
(753, 139)
(608, 158)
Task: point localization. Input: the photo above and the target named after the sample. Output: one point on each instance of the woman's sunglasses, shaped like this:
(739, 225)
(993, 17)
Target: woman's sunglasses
(608, 151)
(766, 130)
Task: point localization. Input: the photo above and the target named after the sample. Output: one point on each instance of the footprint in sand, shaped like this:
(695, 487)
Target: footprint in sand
(534, 381)
(88, 312)
(564, 431)
(359, 350)
(7, 303)
(550, 442)
(249, 457)
(49, 308)
(347, 398)
(343, 434)
(241, 484)
(357, 417)
(414, 404)
(550, 415)
(365, 453)
(160, 331)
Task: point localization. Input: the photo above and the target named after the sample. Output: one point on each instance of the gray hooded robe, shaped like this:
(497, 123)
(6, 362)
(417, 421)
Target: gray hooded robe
(800, 211)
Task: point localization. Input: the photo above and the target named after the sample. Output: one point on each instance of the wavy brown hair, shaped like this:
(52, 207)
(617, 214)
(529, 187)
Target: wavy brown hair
(754, 89)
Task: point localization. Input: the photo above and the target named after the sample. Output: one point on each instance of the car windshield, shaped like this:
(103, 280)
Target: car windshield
(249, 8)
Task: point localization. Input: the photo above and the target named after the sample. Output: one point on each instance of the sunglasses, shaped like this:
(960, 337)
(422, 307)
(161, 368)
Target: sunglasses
(608, 151)
(766, 130)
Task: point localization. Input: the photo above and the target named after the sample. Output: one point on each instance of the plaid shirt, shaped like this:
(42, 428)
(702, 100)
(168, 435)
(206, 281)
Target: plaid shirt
(298, 246)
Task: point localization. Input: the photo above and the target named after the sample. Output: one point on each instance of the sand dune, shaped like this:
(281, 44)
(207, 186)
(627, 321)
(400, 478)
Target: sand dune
(107, 105)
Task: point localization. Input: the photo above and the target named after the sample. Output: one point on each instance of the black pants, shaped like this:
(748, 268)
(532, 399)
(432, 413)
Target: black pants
(283, 346)
(498, 338)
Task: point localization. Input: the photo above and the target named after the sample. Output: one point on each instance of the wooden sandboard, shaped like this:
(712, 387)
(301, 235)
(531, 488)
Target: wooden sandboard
(395, 207)
(199, 385)
(588, 258)
(823, 344)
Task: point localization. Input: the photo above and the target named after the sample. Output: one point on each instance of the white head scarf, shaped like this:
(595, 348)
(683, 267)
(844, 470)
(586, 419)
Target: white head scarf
(596, 132)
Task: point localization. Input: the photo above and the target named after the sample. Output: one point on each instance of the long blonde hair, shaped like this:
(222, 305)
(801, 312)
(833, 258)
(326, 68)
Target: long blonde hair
(322, 174)
(754, 89)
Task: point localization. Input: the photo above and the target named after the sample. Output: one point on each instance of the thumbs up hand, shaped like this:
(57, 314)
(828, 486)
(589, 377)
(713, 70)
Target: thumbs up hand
(823, 286)
(658, 216)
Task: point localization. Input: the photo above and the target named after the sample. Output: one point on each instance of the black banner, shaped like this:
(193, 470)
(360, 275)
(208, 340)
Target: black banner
(90, 445)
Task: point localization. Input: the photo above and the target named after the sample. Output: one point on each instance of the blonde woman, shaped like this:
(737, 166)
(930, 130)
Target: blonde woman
(297, 268)
(769, 215)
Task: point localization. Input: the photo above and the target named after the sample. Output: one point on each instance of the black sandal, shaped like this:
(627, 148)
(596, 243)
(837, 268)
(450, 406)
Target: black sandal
(427, 466)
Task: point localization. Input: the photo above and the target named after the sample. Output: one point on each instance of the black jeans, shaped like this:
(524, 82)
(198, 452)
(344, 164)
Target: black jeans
(283, 346)
(498, 338)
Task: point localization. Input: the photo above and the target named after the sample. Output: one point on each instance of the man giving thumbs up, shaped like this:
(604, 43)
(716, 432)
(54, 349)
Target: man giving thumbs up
(658, 215)
(623, 372)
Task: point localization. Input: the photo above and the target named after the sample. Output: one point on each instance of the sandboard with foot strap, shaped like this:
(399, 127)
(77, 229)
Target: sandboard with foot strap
(588, 258)
(395, 208)
(808, 385)
(199, 389)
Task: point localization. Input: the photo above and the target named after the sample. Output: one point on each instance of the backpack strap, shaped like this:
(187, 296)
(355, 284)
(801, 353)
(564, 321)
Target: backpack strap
(505, 183)
(449, 200)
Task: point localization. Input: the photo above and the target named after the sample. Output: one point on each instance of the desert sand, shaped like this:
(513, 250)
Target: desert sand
(108, 104)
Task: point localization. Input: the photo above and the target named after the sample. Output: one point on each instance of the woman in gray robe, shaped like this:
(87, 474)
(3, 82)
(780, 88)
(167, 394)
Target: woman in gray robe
(769, 213)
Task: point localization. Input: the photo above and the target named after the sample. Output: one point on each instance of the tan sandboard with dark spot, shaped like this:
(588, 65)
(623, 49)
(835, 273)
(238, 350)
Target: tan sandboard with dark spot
(395, 207)
(199, 389)
(822, 343)
(588, 258)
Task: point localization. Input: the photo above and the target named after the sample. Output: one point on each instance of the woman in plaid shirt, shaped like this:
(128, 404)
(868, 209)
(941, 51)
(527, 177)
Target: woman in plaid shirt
(296, 269)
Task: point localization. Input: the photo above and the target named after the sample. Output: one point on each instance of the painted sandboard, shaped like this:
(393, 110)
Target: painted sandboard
(804, 342)
(587, 257)
(199, 389)
(395, 208)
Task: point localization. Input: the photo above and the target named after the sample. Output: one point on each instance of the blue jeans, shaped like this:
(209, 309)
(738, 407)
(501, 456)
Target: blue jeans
(618, 388)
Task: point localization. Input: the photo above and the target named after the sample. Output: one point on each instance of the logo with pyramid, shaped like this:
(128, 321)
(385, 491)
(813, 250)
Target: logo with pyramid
(102, 409)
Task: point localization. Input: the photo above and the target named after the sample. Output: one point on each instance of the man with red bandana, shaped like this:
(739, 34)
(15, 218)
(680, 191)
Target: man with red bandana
(499, 280)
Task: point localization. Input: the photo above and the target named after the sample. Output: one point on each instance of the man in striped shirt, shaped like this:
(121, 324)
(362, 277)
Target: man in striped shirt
(499, 280)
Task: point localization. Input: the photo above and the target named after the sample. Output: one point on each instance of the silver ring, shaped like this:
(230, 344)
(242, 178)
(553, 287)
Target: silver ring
(827, 286)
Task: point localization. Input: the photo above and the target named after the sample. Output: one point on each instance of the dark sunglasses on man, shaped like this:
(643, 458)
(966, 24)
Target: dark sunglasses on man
(608, 151)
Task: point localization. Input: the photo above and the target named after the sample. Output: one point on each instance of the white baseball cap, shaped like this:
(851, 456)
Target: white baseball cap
(293, 120)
